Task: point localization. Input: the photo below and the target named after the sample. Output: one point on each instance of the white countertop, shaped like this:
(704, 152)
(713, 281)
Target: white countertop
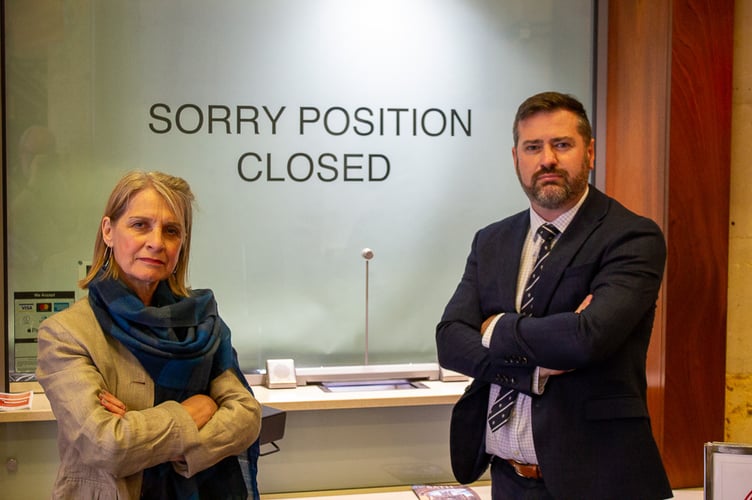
(312, 397)
(309, 397)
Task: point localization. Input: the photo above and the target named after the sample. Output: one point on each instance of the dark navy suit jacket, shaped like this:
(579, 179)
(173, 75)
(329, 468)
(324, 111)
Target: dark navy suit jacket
(591, 425)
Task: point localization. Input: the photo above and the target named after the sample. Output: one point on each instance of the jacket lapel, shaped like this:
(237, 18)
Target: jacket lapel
(510, 244)
(588, 218)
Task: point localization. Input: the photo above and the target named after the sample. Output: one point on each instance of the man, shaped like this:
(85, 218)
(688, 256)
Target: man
(575, 424)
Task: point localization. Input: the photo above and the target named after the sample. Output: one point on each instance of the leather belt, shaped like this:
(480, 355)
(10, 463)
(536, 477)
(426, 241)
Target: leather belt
(528, 471)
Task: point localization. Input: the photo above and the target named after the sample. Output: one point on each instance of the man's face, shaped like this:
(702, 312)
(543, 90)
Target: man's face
(553, 162)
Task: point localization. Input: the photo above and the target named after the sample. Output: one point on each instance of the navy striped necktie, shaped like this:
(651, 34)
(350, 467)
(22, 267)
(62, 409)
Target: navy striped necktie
(502, 407)
(547, 233)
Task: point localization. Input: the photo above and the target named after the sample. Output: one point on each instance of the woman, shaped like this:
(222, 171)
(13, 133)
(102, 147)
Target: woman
(141, 374)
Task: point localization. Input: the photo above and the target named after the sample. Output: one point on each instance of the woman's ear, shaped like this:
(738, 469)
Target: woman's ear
(107, 231)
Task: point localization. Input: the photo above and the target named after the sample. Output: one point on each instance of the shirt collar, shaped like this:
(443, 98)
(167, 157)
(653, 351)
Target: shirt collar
(561, 222)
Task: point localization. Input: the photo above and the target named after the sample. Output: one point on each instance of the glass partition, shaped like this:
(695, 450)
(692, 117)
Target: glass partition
(308, 131)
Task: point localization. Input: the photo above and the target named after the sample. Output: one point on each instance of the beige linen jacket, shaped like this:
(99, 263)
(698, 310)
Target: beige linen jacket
(102, 455)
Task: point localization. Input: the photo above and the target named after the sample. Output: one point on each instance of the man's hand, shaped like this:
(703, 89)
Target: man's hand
(548, 372)
(580, 308)
(584, 304)
(486, 323)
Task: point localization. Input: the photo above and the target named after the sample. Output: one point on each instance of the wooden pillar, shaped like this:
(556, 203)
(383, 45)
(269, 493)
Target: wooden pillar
(667, 156)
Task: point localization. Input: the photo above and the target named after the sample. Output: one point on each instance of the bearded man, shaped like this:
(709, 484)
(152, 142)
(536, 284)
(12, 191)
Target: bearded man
(552, 320)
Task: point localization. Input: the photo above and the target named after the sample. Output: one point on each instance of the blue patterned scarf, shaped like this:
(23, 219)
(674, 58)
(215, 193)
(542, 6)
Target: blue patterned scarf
(183, 344)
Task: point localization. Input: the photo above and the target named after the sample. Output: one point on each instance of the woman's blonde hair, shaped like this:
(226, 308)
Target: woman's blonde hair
(177, 194)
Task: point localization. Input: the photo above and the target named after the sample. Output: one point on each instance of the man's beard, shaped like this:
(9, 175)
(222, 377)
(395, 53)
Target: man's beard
(555, 195)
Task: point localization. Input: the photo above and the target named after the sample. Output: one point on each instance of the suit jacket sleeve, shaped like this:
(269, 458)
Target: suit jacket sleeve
(607, 251)
(487, 288)
(621, 264)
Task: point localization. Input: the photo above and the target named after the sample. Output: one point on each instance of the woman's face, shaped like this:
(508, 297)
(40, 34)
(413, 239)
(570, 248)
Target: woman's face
(145, 241)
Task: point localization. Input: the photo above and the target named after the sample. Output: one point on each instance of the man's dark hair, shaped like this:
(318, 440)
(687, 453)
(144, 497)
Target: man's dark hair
(546, 102)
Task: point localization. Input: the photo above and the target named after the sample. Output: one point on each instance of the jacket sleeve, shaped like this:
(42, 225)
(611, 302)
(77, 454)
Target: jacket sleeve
(458, 337)
(232, 429)
(74, 366)
(623, 273)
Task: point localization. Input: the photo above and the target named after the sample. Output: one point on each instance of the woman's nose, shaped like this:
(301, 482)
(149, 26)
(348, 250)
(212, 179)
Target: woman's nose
(156, 238)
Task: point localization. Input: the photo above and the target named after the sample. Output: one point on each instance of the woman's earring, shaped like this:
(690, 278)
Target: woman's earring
(107, 258)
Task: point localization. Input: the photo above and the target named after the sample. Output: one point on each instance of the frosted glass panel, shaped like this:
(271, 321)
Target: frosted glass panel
(309, 130)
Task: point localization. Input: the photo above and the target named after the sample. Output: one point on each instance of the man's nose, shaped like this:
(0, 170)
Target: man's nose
(548, 155)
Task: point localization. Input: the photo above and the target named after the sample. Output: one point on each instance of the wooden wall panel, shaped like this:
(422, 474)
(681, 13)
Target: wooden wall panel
(668, 153)
(698, 197)
(637, 138)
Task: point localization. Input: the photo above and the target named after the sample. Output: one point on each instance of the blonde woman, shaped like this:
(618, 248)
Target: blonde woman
(141, 374)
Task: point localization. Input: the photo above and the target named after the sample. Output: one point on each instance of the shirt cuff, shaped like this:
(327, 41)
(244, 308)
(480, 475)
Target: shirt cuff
(486, 340)
(539, 383)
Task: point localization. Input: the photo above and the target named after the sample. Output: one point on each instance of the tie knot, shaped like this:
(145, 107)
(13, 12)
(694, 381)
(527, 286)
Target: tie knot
(548, 232)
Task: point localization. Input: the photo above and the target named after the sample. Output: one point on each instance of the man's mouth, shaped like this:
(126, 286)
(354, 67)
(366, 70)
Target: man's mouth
(548, 177)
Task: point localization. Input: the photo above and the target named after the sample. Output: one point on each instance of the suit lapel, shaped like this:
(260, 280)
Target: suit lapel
(588, 218)
(510, 248)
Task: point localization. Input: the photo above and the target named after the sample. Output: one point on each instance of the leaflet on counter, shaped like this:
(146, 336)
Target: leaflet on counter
(10, 401)
(436, 492)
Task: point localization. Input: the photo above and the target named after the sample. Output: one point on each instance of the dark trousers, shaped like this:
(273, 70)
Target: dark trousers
(507, 485)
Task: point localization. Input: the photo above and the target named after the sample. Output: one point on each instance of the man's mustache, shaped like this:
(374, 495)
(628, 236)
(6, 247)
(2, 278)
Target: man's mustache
(551, 170)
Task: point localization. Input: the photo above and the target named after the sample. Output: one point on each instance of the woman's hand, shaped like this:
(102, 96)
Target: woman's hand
(201, 408)
(112, 404)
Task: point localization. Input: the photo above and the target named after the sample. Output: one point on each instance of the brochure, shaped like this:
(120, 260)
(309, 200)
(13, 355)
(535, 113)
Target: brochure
(10, 401)
(434, 492)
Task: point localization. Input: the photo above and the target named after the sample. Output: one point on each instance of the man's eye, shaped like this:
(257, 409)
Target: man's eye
(532, 148)
(563, 145)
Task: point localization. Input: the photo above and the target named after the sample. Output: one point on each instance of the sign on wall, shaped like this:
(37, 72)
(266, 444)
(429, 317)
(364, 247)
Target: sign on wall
(29, 310)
